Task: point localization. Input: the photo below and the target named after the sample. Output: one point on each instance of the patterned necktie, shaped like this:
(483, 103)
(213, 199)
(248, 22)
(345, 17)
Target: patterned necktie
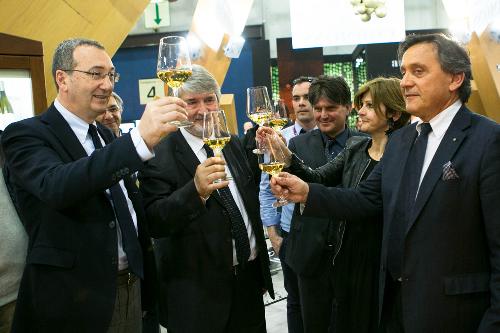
(131, 244)
(408, 193)
(238, 228)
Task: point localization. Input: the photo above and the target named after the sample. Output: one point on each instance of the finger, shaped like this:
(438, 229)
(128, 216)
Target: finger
(211, 177)
(214, 161)
(170, 100)
(219, 185)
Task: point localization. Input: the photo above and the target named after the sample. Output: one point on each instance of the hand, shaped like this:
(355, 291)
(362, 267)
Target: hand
(290, 187)
(154, 124)
(208, 171)
(275, 238)
(262, 132)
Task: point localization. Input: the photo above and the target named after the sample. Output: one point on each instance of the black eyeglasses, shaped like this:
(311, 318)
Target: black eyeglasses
(302, 79)
(97, 76)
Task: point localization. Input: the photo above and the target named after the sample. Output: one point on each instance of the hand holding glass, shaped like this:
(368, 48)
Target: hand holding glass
(272, 161)
(174, 66)
(215, 133)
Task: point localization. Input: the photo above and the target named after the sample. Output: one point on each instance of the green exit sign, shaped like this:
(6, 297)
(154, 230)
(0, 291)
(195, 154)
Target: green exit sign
(157, 15)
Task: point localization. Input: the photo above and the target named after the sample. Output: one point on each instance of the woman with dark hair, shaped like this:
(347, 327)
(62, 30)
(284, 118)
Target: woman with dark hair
(381, 108)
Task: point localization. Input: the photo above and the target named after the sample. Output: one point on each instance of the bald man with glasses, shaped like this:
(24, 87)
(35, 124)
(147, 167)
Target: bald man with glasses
(89, 256)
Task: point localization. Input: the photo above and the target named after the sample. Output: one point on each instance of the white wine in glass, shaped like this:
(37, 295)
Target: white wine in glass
(280, 116)
(259, 108)
(174, 66)
(272, 162)
(215, 133)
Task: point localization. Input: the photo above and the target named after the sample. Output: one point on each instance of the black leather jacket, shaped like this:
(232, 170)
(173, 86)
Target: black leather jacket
(346, 170)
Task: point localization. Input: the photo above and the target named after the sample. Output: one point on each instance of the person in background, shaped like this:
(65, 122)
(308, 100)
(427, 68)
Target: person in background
(278, 223)
(13, 244)
(213, 260)
(112, 118)
(381, 109)
(89, 255)
(437, 188)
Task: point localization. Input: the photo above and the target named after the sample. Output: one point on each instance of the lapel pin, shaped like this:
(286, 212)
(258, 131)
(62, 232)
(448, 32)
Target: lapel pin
(454, 139)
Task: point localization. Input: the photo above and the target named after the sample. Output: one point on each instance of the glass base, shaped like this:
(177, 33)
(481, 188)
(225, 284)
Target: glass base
(181, 123)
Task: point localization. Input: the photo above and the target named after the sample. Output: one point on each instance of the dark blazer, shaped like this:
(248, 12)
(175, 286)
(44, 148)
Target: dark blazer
(451, 268)
(308, 237)
(69, 283)
(193, 241)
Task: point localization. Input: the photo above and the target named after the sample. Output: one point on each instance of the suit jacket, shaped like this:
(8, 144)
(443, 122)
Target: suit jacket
(69, 282)
(193, 241)
(308, 237)
(451, 265)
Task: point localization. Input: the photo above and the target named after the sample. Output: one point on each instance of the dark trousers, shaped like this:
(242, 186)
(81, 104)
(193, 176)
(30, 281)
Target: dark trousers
(293, 308)
(127, 314)
(392, 313)
(318, 299)
(247, 303)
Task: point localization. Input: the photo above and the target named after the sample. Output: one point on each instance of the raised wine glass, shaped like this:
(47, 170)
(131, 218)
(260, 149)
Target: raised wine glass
(174, 66)
(272, 161)
(259, 108)
(280, 115)
(216, 134)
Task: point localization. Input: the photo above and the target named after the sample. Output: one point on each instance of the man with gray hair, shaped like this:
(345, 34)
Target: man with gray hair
(213, 261)
(89, 254)
(112, 117)
(438, 189)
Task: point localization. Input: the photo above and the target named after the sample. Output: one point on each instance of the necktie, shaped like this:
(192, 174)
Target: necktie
(238, 228)
(130, 242)
(406, 201)
(302, 131)
(329, 151)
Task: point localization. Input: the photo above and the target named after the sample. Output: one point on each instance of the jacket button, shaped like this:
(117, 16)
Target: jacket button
(112, 224)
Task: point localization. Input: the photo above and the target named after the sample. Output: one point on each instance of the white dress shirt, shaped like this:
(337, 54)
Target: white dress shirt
(196, 145)
(81, 130)
(439, 124)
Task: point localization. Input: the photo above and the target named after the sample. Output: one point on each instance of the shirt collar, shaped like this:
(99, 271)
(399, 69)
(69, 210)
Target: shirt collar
(194, 142)
(442, 120)
(340, 138)
(79, 126)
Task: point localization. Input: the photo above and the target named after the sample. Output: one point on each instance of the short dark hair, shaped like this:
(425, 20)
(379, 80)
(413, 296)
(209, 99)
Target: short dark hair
(452, 56)
(334, 88)
(302, 79)
(63, 55)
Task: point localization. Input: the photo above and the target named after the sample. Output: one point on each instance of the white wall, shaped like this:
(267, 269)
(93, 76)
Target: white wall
(275, 15)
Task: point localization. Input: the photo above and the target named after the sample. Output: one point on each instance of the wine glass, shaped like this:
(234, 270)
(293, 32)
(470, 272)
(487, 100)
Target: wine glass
(280, 115)
(215, 133)
(259, 108)
(174, 66)
(272, 161)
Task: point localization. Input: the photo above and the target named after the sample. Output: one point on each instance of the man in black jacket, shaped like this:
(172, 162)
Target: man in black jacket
(313, 242)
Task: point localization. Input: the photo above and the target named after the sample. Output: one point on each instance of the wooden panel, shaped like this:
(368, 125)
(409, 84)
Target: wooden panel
(16, 45)
(227, 104)
(294, 63)
(485, 55)
(108, 21)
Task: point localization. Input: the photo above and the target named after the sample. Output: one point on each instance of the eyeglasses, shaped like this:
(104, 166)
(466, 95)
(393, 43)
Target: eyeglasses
(96, 76)
(302, 79)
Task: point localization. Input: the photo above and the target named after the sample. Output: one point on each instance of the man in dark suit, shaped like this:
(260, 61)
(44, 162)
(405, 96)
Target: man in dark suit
(314, 242)
(88, 243)
(213, 260)
(438, 189)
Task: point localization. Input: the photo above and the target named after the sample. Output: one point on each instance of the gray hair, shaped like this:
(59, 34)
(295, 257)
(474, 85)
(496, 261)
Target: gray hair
(63, 55)
(453, 57)
(118, 100)
(201, 81)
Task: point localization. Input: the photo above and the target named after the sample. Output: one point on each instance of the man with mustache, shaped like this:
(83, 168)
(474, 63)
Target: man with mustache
(209, 241)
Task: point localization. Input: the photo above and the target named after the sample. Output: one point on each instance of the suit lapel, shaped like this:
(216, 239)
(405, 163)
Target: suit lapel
(447, 148)
(63, 132)
(397, 173)
(317, 148)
